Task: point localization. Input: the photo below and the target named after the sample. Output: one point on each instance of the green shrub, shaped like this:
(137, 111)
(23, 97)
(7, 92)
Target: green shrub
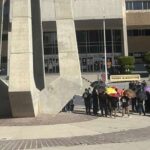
(147, 60)
(126, 63)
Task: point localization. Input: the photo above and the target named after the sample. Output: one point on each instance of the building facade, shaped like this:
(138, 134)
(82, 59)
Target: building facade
(127, 31)
(64, 35)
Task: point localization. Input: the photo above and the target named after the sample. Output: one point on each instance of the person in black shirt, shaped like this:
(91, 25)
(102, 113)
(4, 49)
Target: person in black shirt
(87, 101)
(95, 101)
(125, 105)
(103, 103)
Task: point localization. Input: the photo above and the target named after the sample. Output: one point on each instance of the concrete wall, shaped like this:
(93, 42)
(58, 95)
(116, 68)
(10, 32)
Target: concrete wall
(22, 91)
(139, 43)
(96, 9)
(138, 18)
(85, 9)
(5, 110)
(48, 10)
(60, 91)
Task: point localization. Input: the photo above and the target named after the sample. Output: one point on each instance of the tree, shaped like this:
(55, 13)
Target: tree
(126, 63)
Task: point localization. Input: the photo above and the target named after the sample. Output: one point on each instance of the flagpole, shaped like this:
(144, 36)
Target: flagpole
(105, 52)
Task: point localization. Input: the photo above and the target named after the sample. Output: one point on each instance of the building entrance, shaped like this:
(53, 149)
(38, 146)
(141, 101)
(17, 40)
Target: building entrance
(51, 64)
(92, 63)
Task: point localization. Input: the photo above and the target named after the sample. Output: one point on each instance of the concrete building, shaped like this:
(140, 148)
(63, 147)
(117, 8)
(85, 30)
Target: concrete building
(47, 45)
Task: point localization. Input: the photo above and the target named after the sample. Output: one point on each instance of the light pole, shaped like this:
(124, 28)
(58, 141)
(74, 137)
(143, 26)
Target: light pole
(105, 53)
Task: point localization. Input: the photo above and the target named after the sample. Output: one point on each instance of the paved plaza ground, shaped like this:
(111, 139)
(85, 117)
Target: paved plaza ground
(72, 131)
(76, 130)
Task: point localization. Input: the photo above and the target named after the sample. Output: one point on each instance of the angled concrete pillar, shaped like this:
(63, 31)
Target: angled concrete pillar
(67, 44)
(22, 91)
(1, 25)
(69, 83)
(38, 52)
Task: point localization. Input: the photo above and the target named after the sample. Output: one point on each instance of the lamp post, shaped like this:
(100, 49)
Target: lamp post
(105, 53)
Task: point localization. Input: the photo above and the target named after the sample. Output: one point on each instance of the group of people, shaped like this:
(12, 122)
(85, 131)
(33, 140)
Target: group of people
(99, 100)
(140, 103)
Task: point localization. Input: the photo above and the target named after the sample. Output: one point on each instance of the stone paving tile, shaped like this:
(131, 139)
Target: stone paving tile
(61, 118)
(115, 137)
(23, 144)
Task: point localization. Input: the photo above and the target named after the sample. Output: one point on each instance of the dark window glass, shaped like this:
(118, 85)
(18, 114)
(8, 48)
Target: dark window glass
(117, 41)
(101, 36)
(94, 49)
(46, 51)
(139, 32)
(147, 32)
(101, 48)
(93, 36)
(117, 48)
(50, 43)
(82, 41)
(130, 32)
(148, 5)
(109, 47)
(145, 5)
(52, 38)
(129, 5)
(135, 33)
(108, 35)
(143, 32)
(81, 36)
(137, 5)
(82, 49)
(117, 35)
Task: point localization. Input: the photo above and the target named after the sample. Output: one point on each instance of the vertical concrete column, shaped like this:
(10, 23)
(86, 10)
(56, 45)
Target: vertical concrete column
(8, 53)
(67, 43)
(1, 25)
(38, 52)
(125, 36)
(22, 91)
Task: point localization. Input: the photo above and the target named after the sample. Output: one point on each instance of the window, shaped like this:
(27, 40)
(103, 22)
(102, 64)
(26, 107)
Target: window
(145, 5)
(50, 43)
(137, 5)
(135, 33)
(139, 32)
(147, 32)
(129, 5)
(81, 36)
(117, 42)
(92, 41)
(148, 5)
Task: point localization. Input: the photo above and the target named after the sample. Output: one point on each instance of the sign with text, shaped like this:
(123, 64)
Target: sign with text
(118, 78)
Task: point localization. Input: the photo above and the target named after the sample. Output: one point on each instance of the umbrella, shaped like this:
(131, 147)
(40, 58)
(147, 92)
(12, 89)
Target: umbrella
(94, 84)
(111, 90)
(114, 95)
(120, 91)
(147, 89)
(130, 93)
(97, 84)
